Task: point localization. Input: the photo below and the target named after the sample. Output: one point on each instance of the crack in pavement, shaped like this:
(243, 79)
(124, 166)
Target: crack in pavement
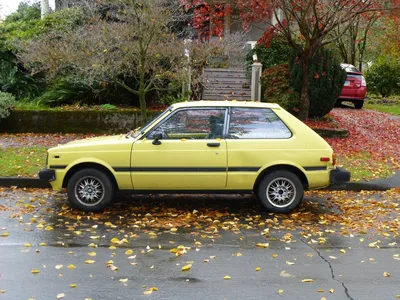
(346, 290)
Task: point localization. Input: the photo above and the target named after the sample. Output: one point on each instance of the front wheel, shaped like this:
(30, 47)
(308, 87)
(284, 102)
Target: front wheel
(90, 190)
(280, 191)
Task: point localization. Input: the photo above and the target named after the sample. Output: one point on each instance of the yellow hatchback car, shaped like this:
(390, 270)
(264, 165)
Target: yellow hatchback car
(200, 147)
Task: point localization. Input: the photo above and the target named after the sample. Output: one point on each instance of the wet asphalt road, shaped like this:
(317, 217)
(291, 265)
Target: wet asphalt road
(342, 265)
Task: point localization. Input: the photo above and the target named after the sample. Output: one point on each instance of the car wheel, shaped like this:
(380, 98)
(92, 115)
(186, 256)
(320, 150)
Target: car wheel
(90, 190)
(280, 191)
(358, 104)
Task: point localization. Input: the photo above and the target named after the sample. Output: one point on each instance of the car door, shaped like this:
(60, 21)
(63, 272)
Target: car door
(186, 151)
(255, 137)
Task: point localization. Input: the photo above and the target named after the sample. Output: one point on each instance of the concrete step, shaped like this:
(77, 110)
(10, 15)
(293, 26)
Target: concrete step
(226, 89)
(213, 96)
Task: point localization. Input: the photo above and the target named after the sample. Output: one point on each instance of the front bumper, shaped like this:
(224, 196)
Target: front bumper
(339, 175)
(47, 174)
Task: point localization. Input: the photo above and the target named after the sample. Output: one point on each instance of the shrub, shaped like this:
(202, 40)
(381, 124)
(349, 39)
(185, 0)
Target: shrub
(7, 101)
(326, 81)
(383, 77)
(271, 50)
(276, 83)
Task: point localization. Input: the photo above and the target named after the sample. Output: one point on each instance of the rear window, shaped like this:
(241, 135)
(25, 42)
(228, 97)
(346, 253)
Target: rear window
(256, 123)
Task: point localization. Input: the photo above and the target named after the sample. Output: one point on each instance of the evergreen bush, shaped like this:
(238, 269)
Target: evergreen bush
(326, 81)
(7, 101)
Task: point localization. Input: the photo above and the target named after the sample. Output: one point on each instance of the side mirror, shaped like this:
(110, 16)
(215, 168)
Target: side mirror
(157, 138)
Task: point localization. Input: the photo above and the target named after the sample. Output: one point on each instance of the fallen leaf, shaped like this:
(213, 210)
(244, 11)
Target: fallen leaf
(262, 245)
(89, 261)
(331, 291)
(386, 274)
(123, 280)
(58, 267)
(307, 280)
(71, 266)
(280, 292)
(150, 290)
(73, 285)
(59, 296)
(227, 277)
(28, 245)
(48, 228)
(289, 263)
(129, 252)
(35, 271)
(186, 268)
(258, 269)
(342, 251)
(4, 234)
(92, 253)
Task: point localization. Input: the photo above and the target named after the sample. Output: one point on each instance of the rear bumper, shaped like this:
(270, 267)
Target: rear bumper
(339, 175)
(47, 174)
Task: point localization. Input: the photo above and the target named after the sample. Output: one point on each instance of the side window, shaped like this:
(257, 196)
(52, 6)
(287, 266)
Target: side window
(256, 123)
(192, 124)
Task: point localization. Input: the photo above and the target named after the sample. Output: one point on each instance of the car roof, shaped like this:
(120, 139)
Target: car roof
(226, 103)
(350, 68)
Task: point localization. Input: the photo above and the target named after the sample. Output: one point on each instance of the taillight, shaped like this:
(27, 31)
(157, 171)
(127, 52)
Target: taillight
(363, 82)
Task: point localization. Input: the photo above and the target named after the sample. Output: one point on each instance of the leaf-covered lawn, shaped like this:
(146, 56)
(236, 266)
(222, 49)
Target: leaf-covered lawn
(22, 161)
(391, 109)
(372, 149)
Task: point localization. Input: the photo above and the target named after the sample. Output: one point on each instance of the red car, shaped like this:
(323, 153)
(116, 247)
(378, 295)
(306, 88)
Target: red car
(355, 86)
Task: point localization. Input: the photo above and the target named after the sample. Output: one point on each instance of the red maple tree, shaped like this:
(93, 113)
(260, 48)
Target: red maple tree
(307, 25)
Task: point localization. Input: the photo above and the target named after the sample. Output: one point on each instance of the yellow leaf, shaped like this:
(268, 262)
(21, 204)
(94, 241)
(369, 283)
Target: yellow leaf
(123, 280)
(331, 291)
(71, 266)
(35, 271)
(150, 290)
(307, 280)
(129, 252)
(73, 285)
(4, 234)
(43, 244)
(258, 269)
(59, 296)
(323, 298)
(238, 254)
(173, 229)
(58, 267)
(280, 292)
(386, 274)
(274, 255)
(186, 268)
(112, 247)
(320, 291)
(342, 251)
(89, 261)
(227, 277)
(262, 245)
(2, 291)
(92, 253)
(95, 237)
(48, 228)
(92, 245)
(28, 245)
(115, 240)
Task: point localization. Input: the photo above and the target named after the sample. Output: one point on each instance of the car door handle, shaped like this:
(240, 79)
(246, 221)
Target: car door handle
(213, 144)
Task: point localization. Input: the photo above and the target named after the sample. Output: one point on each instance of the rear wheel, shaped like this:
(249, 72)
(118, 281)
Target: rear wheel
(358, 104)
(280, 191)
(90, 190)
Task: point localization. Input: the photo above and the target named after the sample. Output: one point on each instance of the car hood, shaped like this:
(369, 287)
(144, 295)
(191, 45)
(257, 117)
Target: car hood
(101, 140)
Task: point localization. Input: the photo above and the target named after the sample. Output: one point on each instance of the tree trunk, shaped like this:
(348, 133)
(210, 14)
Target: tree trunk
(304, 96)
(143, 108)
(45, 8)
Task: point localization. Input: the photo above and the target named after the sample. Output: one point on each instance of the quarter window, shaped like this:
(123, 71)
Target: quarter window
(192, 124)
(256, 123)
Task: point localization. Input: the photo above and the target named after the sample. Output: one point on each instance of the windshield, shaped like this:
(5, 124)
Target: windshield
(140, 130)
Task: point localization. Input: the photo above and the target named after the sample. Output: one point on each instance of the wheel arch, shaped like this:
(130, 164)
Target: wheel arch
(88, 165)
(281, 167)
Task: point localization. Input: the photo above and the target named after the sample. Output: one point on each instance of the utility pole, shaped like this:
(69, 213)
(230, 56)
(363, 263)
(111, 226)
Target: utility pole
(45, 8)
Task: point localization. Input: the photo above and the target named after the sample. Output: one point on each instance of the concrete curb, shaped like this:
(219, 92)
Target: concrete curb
(24, 182)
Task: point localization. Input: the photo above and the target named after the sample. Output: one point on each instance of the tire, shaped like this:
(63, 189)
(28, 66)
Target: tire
(90, 190)
(358, 104)
(284, 182)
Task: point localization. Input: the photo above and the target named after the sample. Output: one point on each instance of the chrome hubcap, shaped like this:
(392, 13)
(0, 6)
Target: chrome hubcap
(281, 192)
(89, 191)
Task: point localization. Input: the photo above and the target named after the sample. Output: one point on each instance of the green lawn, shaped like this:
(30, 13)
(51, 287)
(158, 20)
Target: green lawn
(393, 109)
(22, 161)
